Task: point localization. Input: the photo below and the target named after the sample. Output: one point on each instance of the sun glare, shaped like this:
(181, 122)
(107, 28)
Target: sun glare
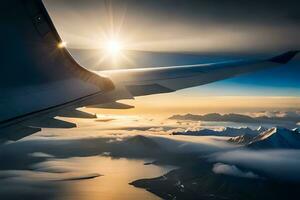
(113, 47)
(62, 44)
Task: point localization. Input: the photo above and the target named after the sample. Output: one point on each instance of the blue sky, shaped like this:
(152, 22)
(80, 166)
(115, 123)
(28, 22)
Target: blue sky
(281, 81)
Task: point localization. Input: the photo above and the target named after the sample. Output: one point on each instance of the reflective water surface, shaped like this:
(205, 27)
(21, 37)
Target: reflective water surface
(117, 173)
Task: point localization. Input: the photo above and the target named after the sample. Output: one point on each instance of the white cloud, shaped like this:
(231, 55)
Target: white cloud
(278, 164)
(40, 155)
(232, 170)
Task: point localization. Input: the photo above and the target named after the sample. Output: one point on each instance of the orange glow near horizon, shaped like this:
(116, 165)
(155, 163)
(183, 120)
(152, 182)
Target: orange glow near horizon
(162, 105)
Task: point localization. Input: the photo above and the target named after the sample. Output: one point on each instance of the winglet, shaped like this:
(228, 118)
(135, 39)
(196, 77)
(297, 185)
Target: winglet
(284, 58)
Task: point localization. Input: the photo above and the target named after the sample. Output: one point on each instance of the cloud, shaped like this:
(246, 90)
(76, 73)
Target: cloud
(274, 164)
(295, 114)
(38, 162)
(115, 140)
(232, 170)
(30, 184)
(41, 155)
(22, 155)
(81, 177)
(13, 189)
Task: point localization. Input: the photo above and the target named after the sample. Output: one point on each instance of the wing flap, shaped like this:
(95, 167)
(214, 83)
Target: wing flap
(74, 113)
(112, 105)
(16, 132)
(48, 123)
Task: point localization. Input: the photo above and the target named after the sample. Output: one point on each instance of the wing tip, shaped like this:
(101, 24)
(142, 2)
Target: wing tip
(285, 57)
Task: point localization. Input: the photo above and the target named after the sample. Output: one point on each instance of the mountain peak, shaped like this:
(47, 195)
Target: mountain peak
(276, 137)
(261, 129)
(296, 130)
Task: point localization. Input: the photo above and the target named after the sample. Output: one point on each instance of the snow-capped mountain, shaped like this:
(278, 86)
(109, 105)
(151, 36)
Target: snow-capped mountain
(228, 131)
(261, 129)
(271, 138)
(277, 138)
(296, 130)
(247, 138)
(242, 139)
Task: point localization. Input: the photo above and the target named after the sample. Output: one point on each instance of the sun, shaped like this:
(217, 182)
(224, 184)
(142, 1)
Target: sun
(113, 52)
(62, 44)
(113, 47)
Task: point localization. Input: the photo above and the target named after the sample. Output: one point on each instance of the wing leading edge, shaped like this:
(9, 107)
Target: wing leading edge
(167, 79)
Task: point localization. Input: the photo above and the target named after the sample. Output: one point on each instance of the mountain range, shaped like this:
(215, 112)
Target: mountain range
(240, 118)
(227, 131)
(279, 138)
(261, 138)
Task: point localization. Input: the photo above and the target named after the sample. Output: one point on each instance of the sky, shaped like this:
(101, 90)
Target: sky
(179, 25)
(213, 30)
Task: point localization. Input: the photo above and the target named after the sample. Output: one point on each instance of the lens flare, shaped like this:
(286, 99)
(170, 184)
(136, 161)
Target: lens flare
(62, 44)
(113, 47)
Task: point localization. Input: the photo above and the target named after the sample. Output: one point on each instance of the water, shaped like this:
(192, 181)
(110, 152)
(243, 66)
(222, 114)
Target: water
(117, 173)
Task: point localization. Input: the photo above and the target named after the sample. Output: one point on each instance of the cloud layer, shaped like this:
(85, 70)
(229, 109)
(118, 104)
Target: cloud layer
(278, 164)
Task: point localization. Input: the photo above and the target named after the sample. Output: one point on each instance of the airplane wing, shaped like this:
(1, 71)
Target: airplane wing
(168, 79)
(40, 80)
